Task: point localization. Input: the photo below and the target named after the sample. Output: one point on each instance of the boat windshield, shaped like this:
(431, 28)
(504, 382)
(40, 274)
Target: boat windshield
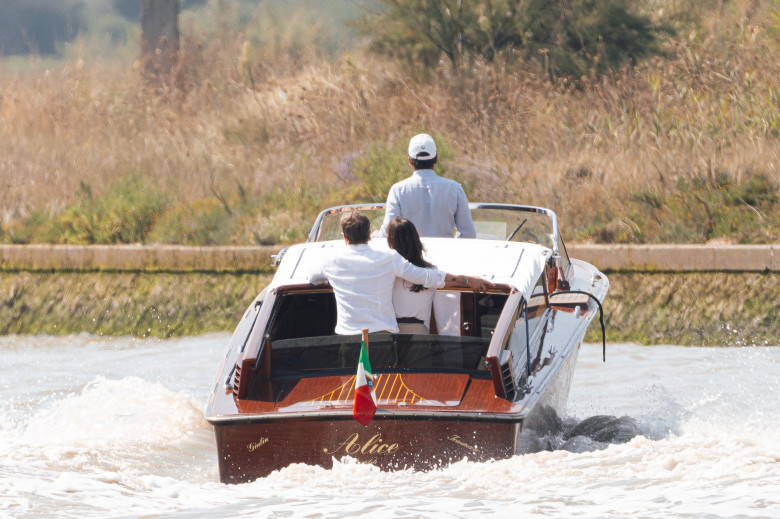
(521, 223)
(511, 225)
(507, 222)
(387, 352)
(328, 224)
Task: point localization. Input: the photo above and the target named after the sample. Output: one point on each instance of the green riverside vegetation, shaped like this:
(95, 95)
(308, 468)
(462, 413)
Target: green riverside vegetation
(648, 308)
(121, 303)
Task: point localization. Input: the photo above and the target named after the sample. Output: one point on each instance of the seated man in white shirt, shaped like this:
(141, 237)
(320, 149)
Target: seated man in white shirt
(362, 279)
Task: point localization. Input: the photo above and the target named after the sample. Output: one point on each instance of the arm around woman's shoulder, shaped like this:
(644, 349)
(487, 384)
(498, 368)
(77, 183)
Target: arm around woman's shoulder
(477, 284)
(427, 277)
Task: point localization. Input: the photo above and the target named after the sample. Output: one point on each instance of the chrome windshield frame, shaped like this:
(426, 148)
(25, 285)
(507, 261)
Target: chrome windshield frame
(315, 232)
(316, 229)
(555, 235)
(560, 257)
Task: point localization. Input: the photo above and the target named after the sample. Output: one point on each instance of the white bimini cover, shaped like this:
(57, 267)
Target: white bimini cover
(516, 264)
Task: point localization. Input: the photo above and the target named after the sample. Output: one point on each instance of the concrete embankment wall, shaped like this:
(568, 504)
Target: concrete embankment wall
(634, 258)
(700, 294)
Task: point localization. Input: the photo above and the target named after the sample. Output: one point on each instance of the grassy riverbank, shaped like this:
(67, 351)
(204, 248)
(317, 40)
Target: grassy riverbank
(142, 304)
(710, 309)
(702, 309)
(681, 148)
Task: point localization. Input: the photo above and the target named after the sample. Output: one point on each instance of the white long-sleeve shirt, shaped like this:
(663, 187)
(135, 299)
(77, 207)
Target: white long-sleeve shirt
(435, 205)
(362, 279)
(413, 304)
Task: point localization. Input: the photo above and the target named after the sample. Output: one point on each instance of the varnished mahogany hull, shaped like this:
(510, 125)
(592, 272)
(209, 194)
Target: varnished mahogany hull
(249, 451)
(253, 446)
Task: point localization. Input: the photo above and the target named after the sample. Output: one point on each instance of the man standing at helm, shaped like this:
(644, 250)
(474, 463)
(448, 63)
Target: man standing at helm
(437, 207)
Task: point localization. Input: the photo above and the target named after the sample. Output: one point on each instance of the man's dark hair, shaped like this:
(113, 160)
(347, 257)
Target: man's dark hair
(422, 163)
(356, 228)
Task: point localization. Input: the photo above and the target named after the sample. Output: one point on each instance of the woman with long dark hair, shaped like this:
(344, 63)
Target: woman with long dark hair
(412, 303)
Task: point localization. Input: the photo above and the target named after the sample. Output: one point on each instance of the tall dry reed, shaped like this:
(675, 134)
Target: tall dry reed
(235, 123)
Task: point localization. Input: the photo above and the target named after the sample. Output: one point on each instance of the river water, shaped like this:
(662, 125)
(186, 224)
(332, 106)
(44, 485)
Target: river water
(113, 427)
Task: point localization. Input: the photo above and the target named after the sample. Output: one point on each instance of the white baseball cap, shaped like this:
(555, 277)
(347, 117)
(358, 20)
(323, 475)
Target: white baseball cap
(422, 147)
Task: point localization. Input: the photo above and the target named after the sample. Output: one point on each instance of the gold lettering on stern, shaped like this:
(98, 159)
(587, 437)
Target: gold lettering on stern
(256, 445)
(353, 445)
(456, 439)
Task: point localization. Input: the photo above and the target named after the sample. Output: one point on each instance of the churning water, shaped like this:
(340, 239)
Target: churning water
(113, 427)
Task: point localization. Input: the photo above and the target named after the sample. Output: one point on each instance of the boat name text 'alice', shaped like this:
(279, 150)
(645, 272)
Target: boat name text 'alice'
(374, 445)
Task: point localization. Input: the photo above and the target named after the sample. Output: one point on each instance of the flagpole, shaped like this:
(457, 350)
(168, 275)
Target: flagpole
(365, 402)
(365, 341)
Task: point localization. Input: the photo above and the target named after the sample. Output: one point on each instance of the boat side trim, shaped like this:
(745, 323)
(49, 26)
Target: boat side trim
(381, 415)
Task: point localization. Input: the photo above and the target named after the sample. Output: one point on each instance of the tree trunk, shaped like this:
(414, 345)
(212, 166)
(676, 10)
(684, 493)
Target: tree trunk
(160, 35)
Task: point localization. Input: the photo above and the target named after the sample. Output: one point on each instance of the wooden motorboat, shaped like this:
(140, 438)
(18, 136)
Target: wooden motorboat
(284, 390)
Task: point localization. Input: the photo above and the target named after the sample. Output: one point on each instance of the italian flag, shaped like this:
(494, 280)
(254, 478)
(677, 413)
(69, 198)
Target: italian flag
(365, 398)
